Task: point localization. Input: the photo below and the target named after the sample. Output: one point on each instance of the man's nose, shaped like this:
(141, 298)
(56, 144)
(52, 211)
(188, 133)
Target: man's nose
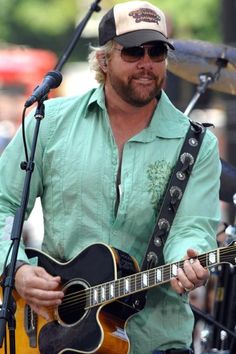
(145, 59)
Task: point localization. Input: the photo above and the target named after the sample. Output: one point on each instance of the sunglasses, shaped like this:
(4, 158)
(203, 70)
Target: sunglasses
(156, 53)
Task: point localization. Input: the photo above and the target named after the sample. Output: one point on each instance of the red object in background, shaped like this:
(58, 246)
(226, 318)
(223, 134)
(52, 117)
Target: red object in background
(24, 68)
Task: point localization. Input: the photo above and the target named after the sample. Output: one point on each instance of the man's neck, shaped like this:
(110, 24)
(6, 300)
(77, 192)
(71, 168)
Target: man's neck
(127, 120)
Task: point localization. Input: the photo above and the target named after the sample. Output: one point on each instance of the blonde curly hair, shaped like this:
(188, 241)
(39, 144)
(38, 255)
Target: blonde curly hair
(95, 64)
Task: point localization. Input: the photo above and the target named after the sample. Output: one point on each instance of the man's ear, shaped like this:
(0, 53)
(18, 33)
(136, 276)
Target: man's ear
(102, 60)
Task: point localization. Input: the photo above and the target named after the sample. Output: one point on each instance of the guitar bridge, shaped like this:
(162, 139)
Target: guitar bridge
(30, 324)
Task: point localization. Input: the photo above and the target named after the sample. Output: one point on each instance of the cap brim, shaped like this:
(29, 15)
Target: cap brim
(140, 37)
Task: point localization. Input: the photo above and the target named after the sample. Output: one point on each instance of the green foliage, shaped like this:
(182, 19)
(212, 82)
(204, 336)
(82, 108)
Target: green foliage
(38, 23)
(45, 16)
(51, 23)
(193, 19)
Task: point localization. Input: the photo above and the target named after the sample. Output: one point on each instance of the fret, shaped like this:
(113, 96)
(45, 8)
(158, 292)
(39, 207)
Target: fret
(204, 260)
(159, 275)
(152, 277)
(167, 273)
(111, 290)
(144, 280)
(107, 287)
(133, 283)
(127, 286)
(174, 268)
(103, 293)
(90, 297)
(212, 258)
(121, 288)
(138, 282)
(117, 288)
(95, 294)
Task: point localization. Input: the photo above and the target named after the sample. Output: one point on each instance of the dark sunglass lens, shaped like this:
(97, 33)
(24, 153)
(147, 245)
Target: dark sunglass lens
(158, 53)
(132, 54)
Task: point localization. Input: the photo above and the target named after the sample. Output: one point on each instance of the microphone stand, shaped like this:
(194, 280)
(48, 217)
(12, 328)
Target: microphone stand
(210, 319)
(78, 31)
(8, 307)
(205, 79)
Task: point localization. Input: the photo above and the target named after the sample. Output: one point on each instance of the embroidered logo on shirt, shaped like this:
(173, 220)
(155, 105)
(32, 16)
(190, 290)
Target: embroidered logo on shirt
(158, 174)
(145, 15)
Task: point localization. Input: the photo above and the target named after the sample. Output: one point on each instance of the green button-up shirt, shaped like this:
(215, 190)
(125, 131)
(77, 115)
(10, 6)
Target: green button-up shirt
(75, 175)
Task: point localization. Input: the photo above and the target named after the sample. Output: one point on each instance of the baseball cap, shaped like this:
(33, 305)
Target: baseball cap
(133, 23)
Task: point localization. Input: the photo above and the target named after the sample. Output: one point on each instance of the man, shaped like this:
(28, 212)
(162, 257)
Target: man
(102, 165)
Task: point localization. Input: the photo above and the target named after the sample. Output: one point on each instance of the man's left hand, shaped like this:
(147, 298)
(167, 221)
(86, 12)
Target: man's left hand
(191, 276)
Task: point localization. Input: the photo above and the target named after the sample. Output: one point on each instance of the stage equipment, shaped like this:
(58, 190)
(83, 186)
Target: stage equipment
(205, 64)
(77, 34)
(52, 80)
(208, 66)
(228, 183)
(213, 66)
(193, 59)
(8, 308)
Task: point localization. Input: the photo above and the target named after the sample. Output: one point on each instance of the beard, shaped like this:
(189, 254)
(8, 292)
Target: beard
(135, 92)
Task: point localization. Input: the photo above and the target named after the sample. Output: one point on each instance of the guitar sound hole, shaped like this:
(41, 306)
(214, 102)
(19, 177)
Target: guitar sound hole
(73, 306)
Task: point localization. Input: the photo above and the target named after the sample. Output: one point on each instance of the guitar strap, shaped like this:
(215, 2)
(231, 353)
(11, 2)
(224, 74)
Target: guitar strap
(173, 195)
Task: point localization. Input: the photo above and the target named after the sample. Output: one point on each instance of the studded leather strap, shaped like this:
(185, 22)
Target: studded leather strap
(174, 193)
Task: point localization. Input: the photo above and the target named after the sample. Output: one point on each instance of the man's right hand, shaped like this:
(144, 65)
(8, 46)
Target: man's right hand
(38, 288)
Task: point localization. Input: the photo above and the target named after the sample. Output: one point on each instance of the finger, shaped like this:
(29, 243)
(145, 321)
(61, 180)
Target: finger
(43, 300)
(42, 273)
(177, 286)
(41, 283)
(44, 295)
(183, 280)
(31, 286)
(189, 271)
(37, 278)
(195, 272)
(40, 311)
(201, 273)
(199, 270)
(29, 276)
(191, 253)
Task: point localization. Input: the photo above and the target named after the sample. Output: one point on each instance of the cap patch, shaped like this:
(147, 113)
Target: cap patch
(145, 15)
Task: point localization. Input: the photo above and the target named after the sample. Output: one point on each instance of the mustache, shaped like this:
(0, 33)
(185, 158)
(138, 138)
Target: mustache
(146, 75)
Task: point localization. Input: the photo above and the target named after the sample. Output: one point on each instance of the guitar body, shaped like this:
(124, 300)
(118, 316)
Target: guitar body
(103, 288)
(27, 325)
(79, 328)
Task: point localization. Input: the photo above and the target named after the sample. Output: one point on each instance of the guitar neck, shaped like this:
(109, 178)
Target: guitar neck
(114, 290)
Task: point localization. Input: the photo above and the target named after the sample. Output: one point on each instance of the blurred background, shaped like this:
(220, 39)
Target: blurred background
(33, 37)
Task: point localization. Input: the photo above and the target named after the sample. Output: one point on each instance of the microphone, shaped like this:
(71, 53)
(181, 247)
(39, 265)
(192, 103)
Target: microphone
(51, 80)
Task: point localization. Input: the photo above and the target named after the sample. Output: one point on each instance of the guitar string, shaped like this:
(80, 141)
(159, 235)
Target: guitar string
(136, 274)
(80, 297)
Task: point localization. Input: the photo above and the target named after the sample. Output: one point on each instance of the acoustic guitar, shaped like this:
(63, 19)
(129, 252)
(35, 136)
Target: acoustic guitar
(103, 288)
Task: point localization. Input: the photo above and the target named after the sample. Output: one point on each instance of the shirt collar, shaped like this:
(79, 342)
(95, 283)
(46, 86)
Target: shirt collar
(167, 121)
(97, 97)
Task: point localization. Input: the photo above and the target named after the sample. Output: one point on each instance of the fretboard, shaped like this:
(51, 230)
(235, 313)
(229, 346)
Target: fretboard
(144, 280)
